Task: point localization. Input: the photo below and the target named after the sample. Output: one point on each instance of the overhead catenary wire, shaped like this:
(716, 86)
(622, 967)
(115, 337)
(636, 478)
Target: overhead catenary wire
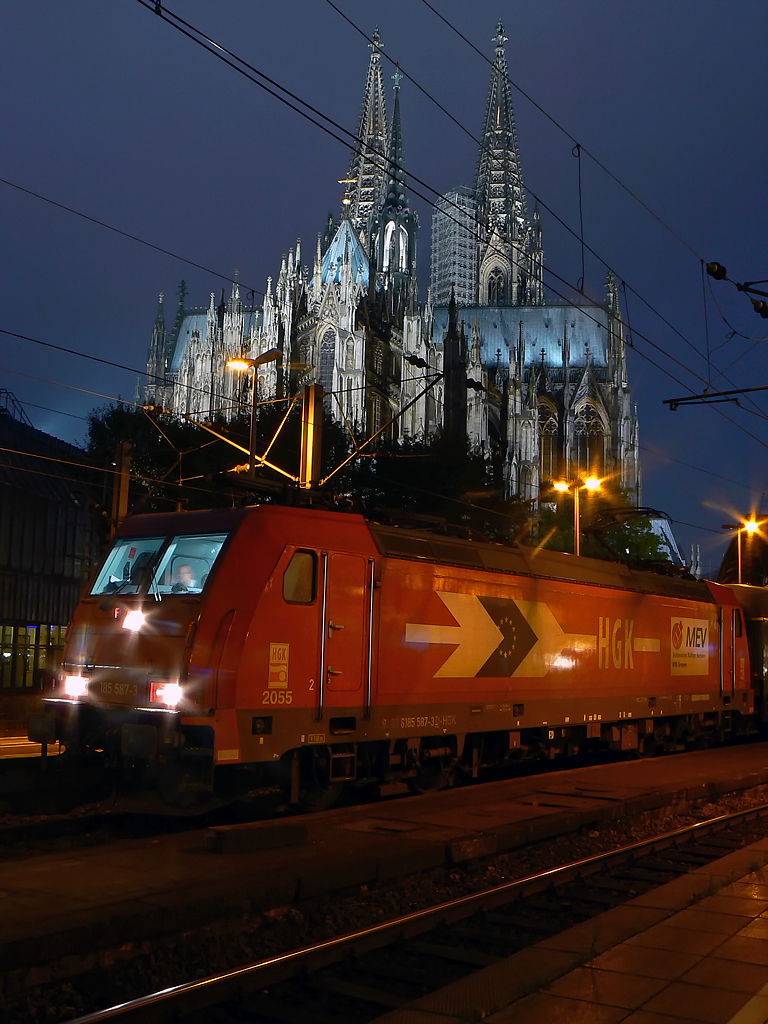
(568, 135)
(341, 393)
(184, 483)
(730, 326)
(127, 234)
(141, 477)
(107, 362)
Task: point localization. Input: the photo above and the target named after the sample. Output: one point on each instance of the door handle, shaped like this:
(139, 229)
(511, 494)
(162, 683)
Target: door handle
(331, 626)
(333, 671)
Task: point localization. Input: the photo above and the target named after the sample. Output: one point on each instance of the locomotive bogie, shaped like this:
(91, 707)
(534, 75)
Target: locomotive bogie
(316, 649)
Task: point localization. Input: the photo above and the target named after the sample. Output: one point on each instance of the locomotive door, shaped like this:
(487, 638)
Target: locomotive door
(345, 654)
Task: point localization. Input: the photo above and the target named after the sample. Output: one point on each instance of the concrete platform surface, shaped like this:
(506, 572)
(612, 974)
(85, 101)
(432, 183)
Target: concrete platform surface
(20, 746)
(55, 905)
(695, 950)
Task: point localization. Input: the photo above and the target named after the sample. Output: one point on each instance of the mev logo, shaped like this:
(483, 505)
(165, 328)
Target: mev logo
(689, 647)
(677, 635)
(696, 637)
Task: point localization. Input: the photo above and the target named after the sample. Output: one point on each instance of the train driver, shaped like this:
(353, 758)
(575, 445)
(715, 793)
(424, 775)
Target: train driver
(184, 579)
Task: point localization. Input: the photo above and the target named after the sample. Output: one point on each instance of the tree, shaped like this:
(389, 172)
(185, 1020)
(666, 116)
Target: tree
(436, 478)
(177, 463)
(170, 458)
(611, 528)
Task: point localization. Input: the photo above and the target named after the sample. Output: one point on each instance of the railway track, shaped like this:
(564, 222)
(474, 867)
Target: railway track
(360, 976)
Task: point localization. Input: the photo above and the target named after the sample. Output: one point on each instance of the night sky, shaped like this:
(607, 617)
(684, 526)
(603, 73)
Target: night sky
(110, 111)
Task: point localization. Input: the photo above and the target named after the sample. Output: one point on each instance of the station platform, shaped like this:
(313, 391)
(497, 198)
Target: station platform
(58, 908)
(694, 951)
(20, 746)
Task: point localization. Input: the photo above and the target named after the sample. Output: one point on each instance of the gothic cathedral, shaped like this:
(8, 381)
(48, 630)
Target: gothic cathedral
(540, 387)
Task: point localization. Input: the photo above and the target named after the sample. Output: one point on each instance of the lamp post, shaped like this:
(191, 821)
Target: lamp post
(592, 483)
(242, 365)
(748, 526)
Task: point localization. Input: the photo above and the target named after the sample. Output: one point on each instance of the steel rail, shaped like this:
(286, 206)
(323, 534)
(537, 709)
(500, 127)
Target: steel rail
(195, 995)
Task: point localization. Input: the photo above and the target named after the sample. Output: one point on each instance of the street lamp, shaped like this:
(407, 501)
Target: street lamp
(592, 483)
(748, 526)
(242, 365)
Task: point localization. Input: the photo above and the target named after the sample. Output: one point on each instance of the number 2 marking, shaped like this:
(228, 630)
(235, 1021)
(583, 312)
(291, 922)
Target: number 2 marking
(311, 684)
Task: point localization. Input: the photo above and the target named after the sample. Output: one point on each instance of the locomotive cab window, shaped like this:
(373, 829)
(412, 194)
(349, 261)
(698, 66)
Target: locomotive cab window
(126, 566)
(300, 578)
(737, 622)
(187, 563)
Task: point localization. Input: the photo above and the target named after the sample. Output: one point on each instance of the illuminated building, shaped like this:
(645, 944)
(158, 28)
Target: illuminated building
(539, 387)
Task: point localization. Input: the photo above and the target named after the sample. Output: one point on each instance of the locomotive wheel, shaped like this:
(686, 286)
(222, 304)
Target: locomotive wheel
(648, 746)
(170, 785)
(316, 790)
(431, 776)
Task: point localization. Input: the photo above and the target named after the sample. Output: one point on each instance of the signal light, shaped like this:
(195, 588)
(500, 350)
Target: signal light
(761, 307)
(716, 270)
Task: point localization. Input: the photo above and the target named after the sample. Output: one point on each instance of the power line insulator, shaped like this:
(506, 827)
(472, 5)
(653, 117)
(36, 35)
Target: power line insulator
(761, 307)
(717, 270)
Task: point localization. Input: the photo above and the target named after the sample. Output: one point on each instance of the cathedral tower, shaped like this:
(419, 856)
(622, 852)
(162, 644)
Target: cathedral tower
(509, 249)
(394, 226)
(368, 166)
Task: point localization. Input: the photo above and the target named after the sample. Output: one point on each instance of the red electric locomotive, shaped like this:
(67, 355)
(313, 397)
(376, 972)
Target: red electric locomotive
(218, 650)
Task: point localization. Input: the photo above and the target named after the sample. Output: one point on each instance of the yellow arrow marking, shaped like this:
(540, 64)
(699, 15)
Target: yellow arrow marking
(552, 640)
(477, 636)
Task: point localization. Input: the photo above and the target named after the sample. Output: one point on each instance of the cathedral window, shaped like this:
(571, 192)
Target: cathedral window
(403, 250)
(496, 287)
(526, 483)
(389, 243)
(589, 441)
(548, 447)
(349, 359)
(327, 359)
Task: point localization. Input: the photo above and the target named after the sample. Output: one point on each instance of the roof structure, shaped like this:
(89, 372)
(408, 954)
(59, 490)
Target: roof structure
(544, 330)
(346, 245)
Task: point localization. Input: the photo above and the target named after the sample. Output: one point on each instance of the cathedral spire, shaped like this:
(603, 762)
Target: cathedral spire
(393, 228)
(396, 195)
(510, 259)
(156, 363)
(499, 162)
(366, 173)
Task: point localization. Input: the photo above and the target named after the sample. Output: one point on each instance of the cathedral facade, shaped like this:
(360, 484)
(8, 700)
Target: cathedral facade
(540, 388)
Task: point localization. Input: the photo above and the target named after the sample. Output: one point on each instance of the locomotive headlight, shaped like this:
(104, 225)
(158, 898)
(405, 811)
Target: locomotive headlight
(75, 686)
(169, 694)
(134, 621)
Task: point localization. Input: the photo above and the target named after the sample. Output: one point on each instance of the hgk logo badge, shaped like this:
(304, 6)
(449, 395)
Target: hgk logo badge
(278, 666)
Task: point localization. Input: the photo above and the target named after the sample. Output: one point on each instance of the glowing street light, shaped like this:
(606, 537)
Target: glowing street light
(591, 483)
(748, 526)
(240, 366)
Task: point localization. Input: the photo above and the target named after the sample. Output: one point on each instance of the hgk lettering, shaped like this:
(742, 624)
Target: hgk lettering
(611, 641)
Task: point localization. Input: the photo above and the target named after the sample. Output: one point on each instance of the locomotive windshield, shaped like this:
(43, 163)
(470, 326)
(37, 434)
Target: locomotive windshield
(186, 563)
(161, 565)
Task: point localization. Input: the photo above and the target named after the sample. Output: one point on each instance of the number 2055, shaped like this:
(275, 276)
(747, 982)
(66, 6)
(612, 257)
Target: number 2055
(277, 697)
